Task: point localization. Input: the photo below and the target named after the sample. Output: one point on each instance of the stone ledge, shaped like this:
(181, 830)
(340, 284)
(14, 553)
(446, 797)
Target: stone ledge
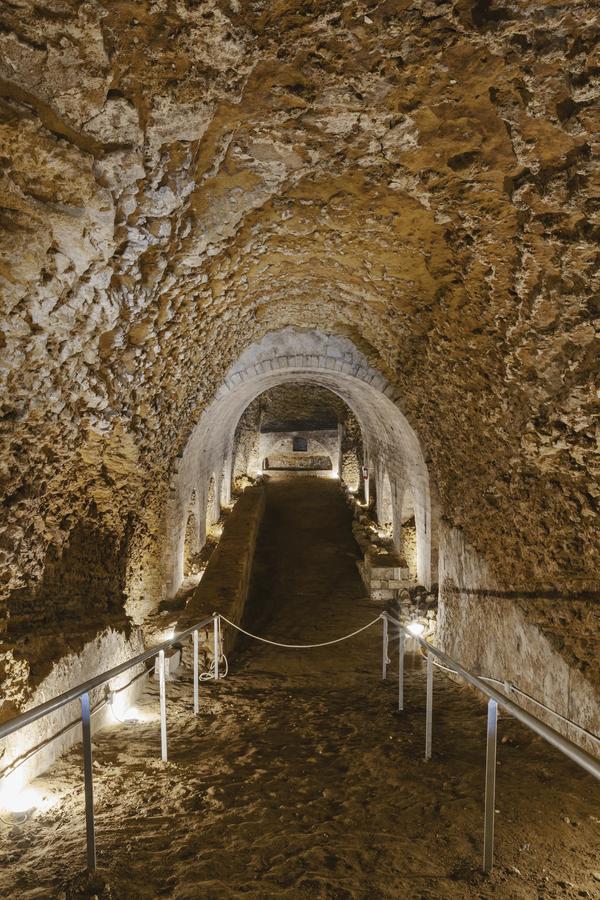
(224, 585)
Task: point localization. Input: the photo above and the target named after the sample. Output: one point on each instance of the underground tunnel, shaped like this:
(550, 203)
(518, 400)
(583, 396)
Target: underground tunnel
(299, 554)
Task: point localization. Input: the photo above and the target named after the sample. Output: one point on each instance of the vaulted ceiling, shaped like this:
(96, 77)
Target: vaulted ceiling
(180, 178)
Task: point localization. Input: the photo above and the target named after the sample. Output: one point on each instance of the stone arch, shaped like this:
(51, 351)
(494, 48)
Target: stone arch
(369, 486)
(335, 363)
(191, 540)
(385, 503)
(212, 506)
(226, 478)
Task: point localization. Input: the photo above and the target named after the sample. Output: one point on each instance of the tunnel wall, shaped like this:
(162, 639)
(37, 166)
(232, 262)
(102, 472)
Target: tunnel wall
(496, 633)
(52, 735)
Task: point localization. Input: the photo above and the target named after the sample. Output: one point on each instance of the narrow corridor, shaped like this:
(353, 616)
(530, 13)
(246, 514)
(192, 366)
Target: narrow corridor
(299, 778)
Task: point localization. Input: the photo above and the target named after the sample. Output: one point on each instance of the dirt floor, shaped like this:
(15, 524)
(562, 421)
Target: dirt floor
(300, 778)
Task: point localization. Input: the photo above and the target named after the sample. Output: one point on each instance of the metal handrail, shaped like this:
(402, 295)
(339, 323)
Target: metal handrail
(82, 692)
(496, 699)
(74, 693)
(577, 754)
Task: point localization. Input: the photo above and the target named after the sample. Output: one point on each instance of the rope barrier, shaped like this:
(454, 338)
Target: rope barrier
(300, 646)
(210, 675)
(508, 687)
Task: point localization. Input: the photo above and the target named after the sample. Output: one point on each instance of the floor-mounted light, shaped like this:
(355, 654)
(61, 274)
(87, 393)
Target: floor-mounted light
(20, 802)
(125, 715)
(169, 633)
(131, 715)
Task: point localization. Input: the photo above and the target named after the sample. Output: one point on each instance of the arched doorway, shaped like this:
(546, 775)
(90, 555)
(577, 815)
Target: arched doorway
(408, 533)
(291, 356)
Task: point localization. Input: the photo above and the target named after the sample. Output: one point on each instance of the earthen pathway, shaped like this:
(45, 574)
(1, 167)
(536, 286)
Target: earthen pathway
(299, 779)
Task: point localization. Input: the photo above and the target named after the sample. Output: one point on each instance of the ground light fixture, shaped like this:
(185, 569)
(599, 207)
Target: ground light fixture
(19, 802)
(131, 715)
(16, 796)
(128, 715)
(415, 628)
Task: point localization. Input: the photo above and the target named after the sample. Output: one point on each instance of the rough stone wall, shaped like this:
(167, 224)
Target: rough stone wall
(82, 586)
(31, 750)
(179, 179)
(246, 439)
(546, 646)
(289, 406)
(80, 595)
(352, 453)
(409, 545)
(191, 545)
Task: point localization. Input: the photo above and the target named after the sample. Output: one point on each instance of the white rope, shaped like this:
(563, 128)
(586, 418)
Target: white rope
(210, 675)
(300, 646)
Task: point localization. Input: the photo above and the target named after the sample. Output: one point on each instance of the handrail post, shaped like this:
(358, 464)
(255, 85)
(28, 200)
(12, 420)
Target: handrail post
(163, 705)
(384, 659)
(400, 669)
(490, 787)
(88, 776)
(429, 707)
(196, 676)
(216, 641)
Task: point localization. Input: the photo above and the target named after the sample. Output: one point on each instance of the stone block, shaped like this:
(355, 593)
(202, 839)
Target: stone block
(382, 594)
